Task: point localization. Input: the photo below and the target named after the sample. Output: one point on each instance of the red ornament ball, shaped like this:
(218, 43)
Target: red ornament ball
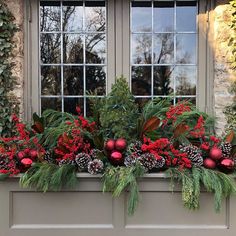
(215, 153)
(21, 155)
(27, 162)
(33, 154)
(209, 163)
(110, 145)
(120, 144)
(116, 157)
(227, 165)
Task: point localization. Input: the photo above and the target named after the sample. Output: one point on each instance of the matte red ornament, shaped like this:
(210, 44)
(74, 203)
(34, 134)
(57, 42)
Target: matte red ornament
(27, 162)
(33, 154)
(209, 163)
(120, 144)
(110, 145)
(116, 157)
(21, 155)
(215, 153)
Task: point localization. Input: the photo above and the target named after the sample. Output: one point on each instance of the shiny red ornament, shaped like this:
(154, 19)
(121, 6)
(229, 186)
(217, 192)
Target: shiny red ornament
(21, 155)
(116, 157)
(33, 154)
(215, 153)
(27, 162)
(227, 165)
(110, 145)
(209, 163)
(120, 144)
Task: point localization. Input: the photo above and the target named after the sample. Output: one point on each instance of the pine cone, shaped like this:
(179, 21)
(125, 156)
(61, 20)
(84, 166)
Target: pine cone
(160, 163)
(4, 163)
(48, 157)
(194, 154)
(226, 149)
(94, 153)
(148, 161)
(82, 160)
(135, 147)
(66, 162)
(130, 160)
(95, 166)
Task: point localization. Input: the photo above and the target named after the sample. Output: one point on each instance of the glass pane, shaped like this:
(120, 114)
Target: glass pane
(72, 16)
(72, 48)
(163, 51)
(141, 102)
(141, 17)
(189, 99)
(50, 103)
(50, 80)
(163, 80)
(142, 49)
(73, 80)
(163, 16)
(186, 15)
(186, 80)
(50, 48)
(50, 17)
(186, 48)
(95, 16)
(96, 79)
(141, 80)
(70, 105)
(95, 48)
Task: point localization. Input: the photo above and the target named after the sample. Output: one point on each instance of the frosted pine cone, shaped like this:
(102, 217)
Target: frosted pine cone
(95, 167)
(4, 163)
(135, 147)
(82, 160)
(148, 161)
(94, 153)
(48, 157)
(194, 154)
(160, 163)
(66, 162)
(226, 149)
(130, 160)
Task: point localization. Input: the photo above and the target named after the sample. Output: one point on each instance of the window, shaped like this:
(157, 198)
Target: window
(79, 46)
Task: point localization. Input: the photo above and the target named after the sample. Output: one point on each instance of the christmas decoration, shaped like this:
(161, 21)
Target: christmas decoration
(66, 162)
(116, 158)
(226, 149)
(96, 166)
(33, 154)
(148, 161)
(194, 154)
(227, 165)
(209, 163)
(82, 160)
(215, 153)
(21, 155)
(160, 163)
(120, 144)
(110, 145)
(27, 162)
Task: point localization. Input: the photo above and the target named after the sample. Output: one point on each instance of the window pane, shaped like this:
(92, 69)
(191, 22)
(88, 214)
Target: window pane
(72, 16)
(95, 16)
(70, 105)
(189, 99)
(50, 48)
(163, 80)
(163, 16)
(141, 17)
(186, 78)
(72, 48)
(163, 51)
(96, 79)
(186, 15)
(142, 49)
(186, 48)
(50, 80)
(50, 103)
(73, 80)
(50, 16)
(141, 80)
(95, 48)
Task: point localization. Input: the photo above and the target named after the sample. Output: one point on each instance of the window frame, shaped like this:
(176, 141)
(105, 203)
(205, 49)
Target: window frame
(118, 51)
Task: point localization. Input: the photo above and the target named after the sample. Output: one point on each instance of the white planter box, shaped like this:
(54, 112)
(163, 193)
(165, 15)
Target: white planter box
(86, 211)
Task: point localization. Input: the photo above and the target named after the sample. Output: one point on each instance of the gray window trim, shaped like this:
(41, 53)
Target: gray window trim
(118, 47)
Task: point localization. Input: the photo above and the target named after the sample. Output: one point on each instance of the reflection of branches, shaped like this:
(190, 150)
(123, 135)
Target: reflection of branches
(185, 87)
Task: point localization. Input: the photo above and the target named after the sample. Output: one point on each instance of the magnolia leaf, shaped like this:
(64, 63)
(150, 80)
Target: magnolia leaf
(38, 127)
(180, 129)
(229, 138)
(151, 124)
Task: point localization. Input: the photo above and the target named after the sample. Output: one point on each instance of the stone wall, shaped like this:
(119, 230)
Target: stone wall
(16, 7)
(223, 74)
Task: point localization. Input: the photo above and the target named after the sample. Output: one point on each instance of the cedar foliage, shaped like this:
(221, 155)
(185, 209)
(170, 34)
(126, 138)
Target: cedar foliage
(119, 113)
(118, 179)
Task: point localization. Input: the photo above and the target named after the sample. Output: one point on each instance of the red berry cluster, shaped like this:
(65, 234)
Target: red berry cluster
(115, 149)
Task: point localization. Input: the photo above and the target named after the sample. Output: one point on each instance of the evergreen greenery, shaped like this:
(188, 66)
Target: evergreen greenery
(119, 179)
(49, 177)
(8, 103)
(119, 113)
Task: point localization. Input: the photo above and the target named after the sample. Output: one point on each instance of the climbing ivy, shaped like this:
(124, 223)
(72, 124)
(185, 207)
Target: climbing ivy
(8, 102)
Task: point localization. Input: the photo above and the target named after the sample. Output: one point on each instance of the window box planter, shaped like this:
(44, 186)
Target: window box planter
(85, 210)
